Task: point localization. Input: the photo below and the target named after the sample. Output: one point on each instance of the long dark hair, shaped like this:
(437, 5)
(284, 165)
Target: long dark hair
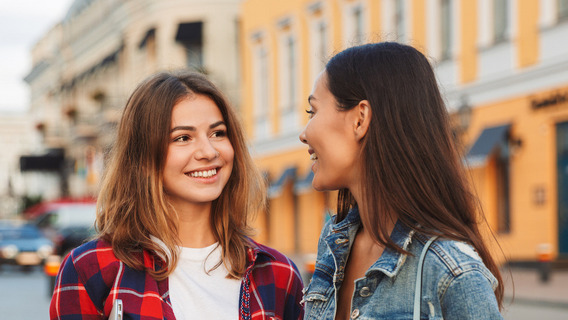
(132, 205)
(412, 170)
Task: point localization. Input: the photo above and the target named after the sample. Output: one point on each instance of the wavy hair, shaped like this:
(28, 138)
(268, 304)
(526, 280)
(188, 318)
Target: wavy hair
(132, 205)
(412, 169)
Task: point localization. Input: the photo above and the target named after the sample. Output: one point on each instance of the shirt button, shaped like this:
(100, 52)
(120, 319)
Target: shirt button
(365, 292)
(355, 314)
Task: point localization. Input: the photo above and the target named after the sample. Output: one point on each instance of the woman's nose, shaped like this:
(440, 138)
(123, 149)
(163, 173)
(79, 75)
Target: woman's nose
(303, 136)
(206, 151)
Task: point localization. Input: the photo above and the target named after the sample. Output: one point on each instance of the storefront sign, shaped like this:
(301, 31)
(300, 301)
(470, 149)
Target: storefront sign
(550, 101)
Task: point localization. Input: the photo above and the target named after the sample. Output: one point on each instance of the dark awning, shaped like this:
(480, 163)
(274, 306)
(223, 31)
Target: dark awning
(190, 32)
(488, 141)
(275, 189)
(51, 161)
(305, 184)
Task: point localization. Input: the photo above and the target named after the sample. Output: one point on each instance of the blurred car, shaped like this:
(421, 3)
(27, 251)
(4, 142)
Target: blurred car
(23, 244)
(47, 206)
(68, 226)
(71, 237)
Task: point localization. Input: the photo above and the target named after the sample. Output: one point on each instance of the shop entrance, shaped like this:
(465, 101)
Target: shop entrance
(562, 170)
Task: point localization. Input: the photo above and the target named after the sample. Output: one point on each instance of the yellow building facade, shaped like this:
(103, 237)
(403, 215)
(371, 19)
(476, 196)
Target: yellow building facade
(502, 66)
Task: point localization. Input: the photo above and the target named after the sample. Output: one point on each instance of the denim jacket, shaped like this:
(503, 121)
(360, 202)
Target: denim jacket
(455, 284)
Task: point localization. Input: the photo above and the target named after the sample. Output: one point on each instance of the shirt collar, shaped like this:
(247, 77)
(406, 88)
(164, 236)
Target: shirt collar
(256, 249)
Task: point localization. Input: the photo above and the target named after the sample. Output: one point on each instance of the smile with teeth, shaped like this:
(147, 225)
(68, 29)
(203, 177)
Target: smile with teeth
(313, 157)
(203, 174)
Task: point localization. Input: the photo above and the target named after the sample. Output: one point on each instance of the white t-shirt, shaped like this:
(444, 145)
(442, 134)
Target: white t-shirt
(197, 295)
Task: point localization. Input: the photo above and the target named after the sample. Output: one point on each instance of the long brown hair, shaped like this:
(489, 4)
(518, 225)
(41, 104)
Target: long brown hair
(132, 205)
(412, 169)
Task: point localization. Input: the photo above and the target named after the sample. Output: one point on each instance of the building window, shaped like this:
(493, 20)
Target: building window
(288, 92)
(318, 41)
(446, 29)
(148, 44)
(288, 82)
(500, 20)
(322, 42)
(358, 24)
(190, 36)
(562, 9)
(291, 73)
(399, 21)
(503, 194)
(353, 23)
(261, 91)
(288, 77)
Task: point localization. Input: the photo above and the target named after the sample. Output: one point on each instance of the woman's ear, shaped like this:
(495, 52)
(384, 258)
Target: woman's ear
(363, 119)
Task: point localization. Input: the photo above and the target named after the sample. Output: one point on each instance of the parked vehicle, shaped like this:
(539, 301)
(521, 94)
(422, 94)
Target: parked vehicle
(41, 208)
(23, 244)
(68, 226)
(71, 237)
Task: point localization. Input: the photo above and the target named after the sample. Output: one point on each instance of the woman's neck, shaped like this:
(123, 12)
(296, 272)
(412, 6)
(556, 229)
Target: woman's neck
(194, 226)
(388, 219)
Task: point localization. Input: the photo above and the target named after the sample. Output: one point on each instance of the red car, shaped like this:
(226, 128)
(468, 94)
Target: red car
(47, 206)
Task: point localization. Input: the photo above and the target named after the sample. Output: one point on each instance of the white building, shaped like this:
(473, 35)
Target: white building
(85, 68)
(17, 136)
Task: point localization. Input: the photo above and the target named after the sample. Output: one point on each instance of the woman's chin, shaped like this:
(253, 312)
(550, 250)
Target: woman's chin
(320, 186)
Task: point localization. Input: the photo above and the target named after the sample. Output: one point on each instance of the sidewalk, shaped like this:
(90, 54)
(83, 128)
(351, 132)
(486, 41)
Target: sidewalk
(528, 289)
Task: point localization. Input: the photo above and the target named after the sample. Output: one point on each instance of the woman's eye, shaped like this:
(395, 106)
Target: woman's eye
(220, 133)
(182, 139)
(310, 113)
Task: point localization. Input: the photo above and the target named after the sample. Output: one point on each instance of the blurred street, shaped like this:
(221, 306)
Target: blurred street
(534, 299)
(24, 295)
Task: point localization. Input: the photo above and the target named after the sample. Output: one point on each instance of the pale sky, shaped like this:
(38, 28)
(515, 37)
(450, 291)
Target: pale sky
(22, 23)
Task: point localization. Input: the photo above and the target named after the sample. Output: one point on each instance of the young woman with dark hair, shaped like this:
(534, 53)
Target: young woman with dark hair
(173, 218)
(379, 133)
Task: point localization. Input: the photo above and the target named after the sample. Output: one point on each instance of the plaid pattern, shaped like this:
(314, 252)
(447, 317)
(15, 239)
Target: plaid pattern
(91, 278)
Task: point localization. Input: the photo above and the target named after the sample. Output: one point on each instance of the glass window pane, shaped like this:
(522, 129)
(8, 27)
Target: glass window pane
(399, 19)
(500, 20)
(446, 27)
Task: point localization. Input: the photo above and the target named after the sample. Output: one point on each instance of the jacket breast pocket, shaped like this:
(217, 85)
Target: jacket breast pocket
(318, 295)
(315, 305)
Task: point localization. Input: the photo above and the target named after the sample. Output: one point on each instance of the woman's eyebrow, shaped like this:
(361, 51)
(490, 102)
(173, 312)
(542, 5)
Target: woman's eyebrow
(310, 98)
(192, 128)
(216, 124)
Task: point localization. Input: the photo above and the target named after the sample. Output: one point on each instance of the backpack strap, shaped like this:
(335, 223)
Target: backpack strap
(418, 290)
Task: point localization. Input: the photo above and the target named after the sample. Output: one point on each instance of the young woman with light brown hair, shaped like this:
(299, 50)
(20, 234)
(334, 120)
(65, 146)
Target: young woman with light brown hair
(173, 218)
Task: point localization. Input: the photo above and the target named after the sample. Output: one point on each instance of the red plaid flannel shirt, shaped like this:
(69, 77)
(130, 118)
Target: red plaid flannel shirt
(91, 278)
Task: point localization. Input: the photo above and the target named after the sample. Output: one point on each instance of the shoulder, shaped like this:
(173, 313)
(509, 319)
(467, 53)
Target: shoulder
(266, 254)
(271, 261)
(450, 259)
(93, 252)
(455, 255)
(453, 270)
(94, 259)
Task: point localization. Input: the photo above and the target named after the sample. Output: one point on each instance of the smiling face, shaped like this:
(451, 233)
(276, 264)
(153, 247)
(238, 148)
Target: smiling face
(199, 159)
(331, 137)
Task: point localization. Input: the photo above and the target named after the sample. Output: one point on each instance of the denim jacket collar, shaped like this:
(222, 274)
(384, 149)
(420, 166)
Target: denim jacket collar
(391, 260)
(343, 233)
